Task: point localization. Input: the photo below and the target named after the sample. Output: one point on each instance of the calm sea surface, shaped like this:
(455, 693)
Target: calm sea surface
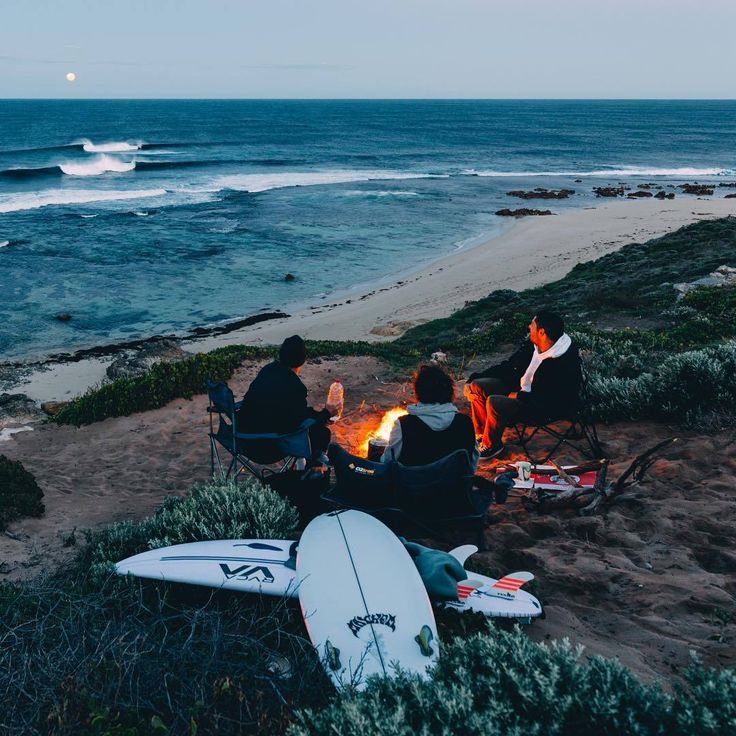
(150, 217)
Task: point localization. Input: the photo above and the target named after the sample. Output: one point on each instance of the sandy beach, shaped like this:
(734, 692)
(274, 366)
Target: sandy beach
(534, 251)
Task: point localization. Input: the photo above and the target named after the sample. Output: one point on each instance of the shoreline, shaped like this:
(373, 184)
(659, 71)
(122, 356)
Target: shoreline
(533, 251)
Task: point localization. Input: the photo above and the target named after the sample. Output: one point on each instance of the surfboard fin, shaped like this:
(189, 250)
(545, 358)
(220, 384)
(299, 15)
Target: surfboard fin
(509, 584)
(424, 639)
(463, 552)
(332, 654)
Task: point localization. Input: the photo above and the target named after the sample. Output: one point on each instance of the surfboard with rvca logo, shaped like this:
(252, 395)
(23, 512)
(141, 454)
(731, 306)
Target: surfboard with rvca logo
(364, 604)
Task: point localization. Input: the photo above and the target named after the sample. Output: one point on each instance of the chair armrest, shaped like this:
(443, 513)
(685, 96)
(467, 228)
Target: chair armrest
(259, 436)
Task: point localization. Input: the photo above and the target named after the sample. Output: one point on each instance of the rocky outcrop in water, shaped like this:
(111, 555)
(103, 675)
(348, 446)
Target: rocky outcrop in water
(665, 195)
(609, 191)
(699, 189)
(18, 408)
(640, 193)
(541, 193)
(132, 364)
(521, 212)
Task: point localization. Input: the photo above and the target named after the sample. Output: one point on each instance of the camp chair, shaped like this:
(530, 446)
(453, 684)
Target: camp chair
(250, 451)
(433, 497)
(577, 431)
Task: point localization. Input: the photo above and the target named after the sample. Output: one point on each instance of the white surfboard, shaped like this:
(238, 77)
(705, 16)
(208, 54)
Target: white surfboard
(364, 604)
(246, 565)
(266, 566)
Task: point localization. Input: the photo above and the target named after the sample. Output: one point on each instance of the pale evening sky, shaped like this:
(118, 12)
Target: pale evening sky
(368, 48)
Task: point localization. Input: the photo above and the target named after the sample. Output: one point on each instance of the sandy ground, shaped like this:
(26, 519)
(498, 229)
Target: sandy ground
(648, 581)
(534, 251)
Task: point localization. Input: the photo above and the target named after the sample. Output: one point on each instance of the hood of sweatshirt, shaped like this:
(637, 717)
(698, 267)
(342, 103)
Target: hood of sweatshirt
(435, 416)
(559, 348)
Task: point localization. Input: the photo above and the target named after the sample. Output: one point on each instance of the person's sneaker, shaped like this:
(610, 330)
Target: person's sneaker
(490, 453)
(323, 459)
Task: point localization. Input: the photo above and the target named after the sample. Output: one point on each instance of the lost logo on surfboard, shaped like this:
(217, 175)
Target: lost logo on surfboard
(385, 619)
(247, 572)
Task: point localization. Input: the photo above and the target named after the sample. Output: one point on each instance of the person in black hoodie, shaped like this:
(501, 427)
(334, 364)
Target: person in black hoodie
(276, 400)
(538, 384)
(433, 427)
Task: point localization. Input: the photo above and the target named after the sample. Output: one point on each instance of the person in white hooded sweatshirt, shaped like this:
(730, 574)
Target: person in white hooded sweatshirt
(540, 383)
(434, 427)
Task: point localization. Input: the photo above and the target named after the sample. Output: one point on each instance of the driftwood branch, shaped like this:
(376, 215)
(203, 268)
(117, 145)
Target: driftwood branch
(631, 476)
(588, 501)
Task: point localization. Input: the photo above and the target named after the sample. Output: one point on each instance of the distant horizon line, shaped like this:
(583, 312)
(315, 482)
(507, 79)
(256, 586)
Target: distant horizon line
(367, 99)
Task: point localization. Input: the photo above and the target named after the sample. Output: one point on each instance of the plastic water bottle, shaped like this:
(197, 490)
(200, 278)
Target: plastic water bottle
(336, 398)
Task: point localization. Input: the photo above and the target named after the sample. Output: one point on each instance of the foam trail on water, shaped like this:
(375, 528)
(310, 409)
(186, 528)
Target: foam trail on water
(280, 180)
(3, 243)
(35, 200)
(100, 165)
(113, 147)
(685, 172)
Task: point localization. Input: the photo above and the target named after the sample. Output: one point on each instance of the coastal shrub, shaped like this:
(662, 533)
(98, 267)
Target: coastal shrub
(502, 683)
(20, 495)
(127, 661)
(686, 388)
(213, 510)
(159, 385)
(166, 381)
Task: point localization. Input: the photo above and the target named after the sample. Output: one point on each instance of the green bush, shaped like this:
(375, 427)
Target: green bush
(19, 492)
(504, 684)
(133, 660)
(162, 383)
(214, 510)
(686, 388)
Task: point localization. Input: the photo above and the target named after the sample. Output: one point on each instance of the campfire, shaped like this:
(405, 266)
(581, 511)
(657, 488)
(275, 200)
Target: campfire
(377, 439)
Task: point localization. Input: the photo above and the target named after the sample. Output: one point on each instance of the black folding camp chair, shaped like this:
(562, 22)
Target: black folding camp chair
(433, 498)
(576, 431)
(248, 451)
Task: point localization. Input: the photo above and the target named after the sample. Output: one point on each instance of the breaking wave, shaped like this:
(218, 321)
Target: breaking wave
(114, 147)
(32, 201)
(684, 172)
(101, 165)
(379, 193)
(263, 182)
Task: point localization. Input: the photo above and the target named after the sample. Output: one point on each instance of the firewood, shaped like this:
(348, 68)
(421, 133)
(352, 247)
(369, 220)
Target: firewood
(567, 478)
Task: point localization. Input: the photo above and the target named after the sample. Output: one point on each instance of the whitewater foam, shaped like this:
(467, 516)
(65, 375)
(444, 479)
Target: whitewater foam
(99, 165)
(113, 147)
(7, 432)
(379, 193)
(3, 243)
(684, 172)
(264, 182)
(34, 200)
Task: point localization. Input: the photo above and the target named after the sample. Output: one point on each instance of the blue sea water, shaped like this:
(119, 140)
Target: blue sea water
(153, 217)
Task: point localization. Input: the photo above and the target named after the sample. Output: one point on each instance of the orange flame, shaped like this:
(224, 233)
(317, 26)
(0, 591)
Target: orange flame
(384, 428)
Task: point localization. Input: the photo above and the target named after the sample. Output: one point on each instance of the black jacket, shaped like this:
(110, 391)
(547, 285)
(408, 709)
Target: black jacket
(276, 401)
(555, 390)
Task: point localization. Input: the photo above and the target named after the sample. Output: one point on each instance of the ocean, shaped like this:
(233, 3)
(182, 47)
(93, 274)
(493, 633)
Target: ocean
(155, 217)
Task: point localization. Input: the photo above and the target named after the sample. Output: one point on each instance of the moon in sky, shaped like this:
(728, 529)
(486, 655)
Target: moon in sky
(71, 76)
